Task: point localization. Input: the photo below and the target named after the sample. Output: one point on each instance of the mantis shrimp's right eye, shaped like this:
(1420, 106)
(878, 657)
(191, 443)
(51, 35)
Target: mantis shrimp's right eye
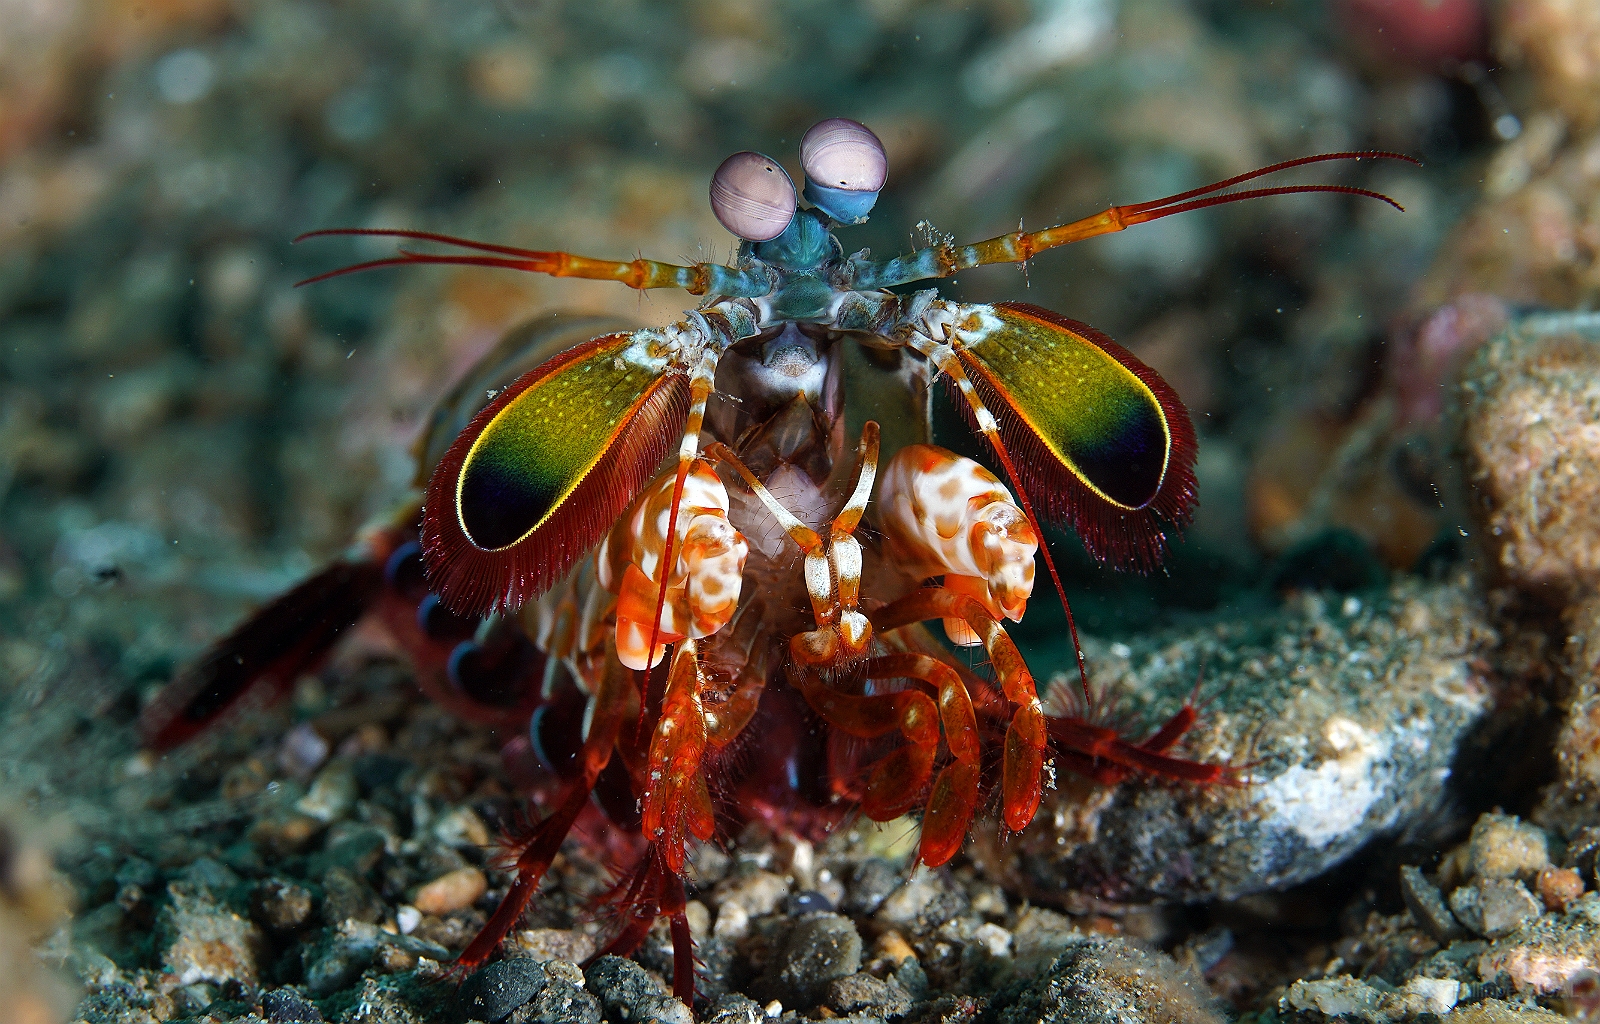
(753, 197)
(841, 153)
(845, 167)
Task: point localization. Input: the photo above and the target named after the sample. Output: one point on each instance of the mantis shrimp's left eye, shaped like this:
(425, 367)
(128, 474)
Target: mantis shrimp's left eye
(752, 196)
(845, 167)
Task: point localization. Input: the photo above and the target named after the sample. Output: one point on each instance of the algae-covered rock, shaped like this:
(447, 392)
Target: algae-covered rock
(1531, 437)
(1338, 721)
(1113, 982)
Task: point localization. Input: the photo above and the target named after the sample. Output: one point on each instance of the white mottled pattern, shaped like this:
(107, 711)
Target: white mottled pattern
(947, 515)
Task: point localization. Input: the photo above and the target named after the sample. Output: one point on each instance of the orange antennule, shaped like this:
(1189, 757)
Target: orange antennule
(1018, 246)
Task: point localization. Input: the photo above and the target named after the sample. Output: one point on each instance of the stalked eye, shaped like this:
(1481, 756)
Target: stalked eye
(752, 196)
(841, 153)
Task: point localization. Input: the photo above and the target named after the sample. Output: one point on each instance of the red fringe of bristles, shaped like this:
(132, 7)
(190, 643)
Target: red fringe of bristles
(473, 581)
(1122, 538)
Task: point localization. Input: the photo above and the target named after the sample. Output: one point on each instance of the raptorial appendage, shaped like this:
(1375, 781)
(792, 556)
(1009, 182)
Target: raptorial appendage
(702, 590)
(947, 515)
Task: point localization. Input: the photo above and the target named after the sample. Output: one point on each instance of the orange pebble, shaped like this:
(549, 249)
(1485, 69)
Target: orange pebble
(1558, 886)
(451, 891)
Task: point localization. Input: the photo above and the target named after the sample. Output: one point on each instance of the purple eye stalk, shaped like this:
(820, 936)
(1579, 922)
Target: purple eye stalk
(845, 168)
(753, 197)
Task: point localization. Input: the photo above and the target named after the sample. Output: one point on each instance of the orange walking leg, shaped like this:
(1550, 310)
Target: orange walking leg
(1022, 775)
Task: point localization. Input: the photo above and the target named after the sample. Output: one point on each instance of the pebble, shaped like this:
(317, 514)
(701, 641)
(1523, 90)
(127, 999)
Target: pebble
(1558, 887)
(1040, 936)
(820, 947)
(874, 879)
(1428, 907)
(1348, 721)
(563, 999)
(1351, 998)
(286, 1006)
(339, 956)
(1494, 907)
(862, 993)
(924, 901)
(461, 828)
(555, 944)
(332, 793)
(1106, 981)
(302, 751)
(453, 891)
(757, 892)
(280, 906)
(735, 1008)
(628, 993)
(493, 992)
(350, 847)
(345, 897)
(284, 834)
(204, 941)
(1504, 846)
(892, 947)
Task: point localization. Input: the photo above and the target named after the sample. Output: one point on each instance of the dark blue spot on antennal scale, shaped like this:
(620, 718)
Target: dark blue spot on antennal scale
(1128, 463)
(500, 505)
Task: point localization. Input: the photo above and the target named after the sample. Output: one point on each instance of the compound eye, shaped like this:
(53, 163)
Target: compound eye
(843, 154)
(753, 197)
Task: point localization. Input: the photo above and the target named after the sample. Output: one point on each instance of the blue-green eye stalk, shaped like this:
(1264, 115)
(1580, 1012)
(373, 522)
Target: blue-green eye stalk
(545, 469)
(846, 168)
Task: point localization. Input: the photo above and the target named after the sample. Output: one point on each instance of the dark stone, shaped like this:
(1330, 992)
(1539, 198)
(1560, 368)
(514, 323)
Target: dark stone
(280, 906)
(1113, 982)
(377, 771)
(492, 993)
(809, 901)
(1428, 907)
(735, 1008)
(356, 850)
(346, 898)
(137, 871)
(628, 993)
(820, 948)
(286, 1006)
(562, 1002)
(864, 993)
(874, 880)
(622, 985)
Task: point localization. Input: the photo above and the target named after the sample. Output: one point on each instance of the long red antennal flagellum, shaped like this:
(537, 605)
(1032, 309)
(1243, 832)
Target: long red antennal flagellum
(1261, 172)
(1153, 213)
(422, 236)
(697, 278)
(946, 258)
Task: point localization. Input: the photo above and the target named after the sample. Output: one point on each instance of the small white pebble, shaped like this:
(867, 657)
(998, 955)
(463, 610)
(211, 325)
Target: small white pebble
(995, 938)
(407, 918)
(303, 751)
(773, 1009)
